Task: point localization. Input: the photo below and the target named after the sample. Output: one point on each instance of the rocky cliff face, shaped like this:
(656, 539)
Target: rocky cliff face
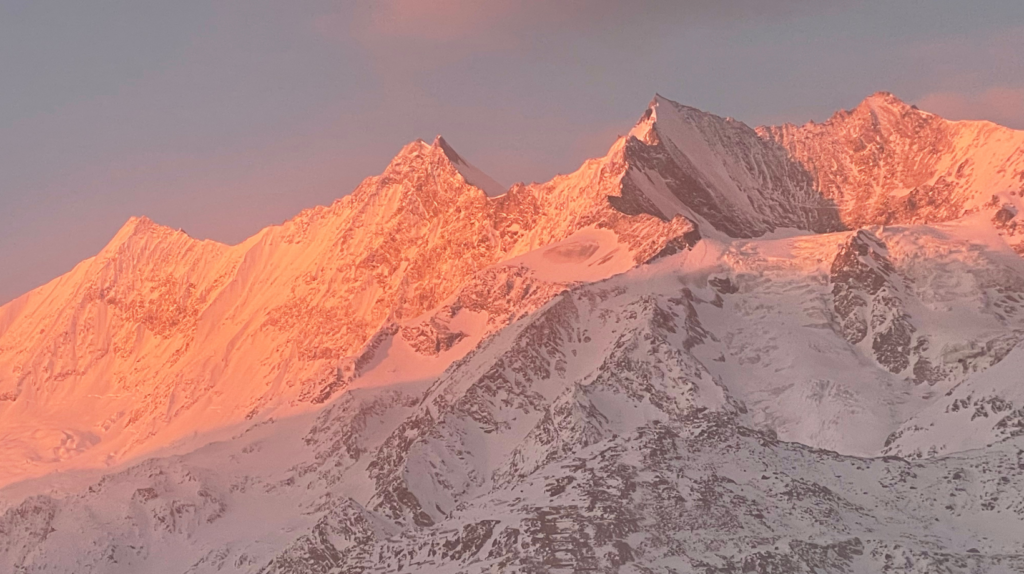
(688, 354)
(866, 292)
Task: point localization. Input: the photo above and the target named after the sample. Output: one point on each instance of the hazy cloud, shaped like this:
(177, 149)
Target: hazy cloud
(974, 76)
(451, 20)
(452, 29)
(1000, 104)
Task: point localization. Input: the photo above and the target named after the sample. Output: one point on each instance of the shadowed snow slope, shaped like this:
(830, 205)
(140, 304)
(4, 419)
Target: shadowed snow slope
(690, 354)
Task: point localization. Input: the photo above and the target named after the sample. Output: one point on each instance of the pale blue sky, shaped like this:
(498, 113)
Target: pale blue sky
(223, 117)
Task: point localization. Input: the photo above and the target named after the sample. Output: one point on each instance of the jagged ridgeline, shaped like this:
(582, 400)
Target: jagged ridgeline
(715, 349)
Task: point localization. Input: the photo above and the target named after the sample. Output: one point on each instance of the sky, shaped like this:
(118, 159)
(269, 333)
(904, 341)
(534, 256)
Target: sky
(221, 118)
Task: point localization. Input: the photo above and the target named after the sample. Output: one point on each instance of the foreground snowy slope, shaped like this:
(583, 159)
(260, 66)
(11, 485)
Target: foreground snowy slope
(685, 356)
(587, 435)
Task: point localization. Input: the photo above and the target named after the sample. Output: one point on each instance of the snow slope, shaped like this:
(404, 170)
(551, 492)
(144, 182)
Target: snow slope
(587, 435)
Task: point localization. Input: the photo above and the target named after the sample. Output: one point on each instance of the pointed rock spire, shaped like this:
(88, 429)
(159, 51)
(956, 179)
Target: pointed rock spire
(142, 233)
(417, 155)
(135, 226)
(883, 104)
(473, 175)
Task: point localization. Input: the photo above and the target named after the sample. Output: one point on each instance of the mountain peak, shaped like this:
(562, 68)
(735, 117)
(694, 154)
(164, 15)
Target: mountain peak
(417, 154)
(881, 110)
(441, 144)
(472, 174)
(658, 101)
(643, 130)
(137, 222)
(883, 102)
(136, 225)
(140, 227)
(709, 169)
(415, 148)
(668, 109)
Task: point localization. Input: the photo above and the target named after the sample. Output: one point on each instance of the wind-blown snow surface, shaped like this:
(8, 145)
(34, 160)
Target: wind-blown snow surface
(688, 355)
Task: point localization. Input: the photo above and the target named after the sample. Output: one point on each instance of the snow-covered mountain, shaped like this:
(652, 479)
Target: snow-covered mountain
(706, 351)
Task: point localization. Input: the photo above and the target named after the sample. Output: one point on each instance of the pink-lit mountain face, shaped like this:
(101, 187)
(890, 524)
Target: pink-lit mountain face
(714, 349)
